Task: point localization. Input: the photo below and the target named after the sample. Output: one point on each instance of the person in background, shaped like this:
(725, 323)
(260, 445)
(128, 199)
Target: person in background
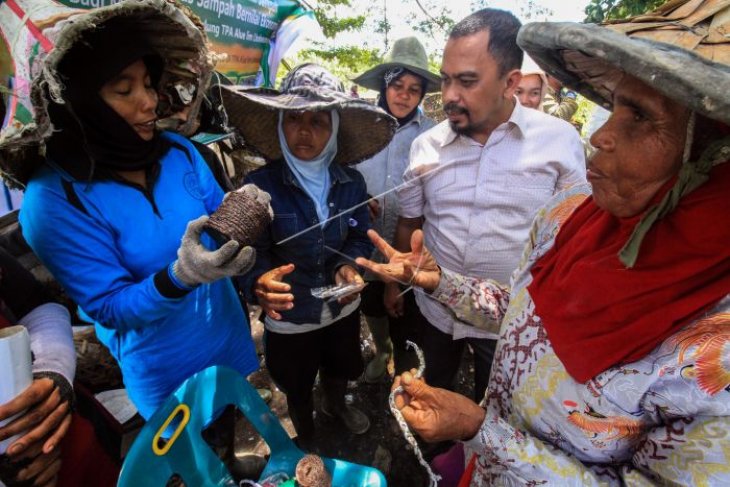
(559, 101)
(353, 92)
(309, 131)
(533, 85)
(475, 181)
(612, 362)
(402, 80)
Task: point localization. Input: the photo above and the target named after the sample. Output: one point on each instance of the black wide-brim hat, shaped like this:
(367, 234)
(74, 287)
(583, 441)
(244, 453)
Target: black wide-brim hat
(682, 50)
(175, 36)
(364, 129)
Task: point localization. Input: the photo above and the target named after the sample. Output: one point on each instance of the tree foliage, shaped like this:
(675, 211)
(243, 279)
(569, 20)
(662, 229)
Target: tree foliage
(342, 61)
(534, 11)
(332, 23)
(432, 18)
(346, 61)
(601, 10)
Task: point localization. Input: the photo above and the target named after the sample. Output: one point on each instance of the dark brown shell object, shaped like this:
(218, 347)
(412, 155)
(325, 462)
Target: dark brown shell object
(240, 217)
(311, 472)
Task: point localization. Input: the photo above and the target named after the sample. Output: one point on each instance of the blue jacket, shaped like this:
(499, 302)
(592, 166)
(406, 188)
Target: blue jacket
(110, 246)
(294, 212)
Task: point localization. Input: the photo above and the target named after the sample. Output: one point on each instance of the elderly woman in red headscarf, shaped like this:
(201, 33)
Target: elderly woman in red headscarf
(613, 363)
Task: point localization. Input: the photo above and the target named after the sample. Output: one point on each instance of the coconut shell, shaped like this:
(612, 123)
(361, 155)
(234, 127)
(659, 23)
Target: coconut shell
(240, 217)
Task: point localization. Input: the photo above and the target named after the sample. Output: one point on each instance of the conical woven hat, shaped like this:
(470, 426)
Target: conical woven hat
(364, 129)
(407, 53)
(169, 31)
(682, 50)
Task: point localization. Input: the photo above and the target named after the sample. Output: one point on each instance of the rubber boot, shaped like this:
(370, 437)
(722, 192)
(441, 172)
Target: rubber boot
(378, 365)
(333, 405)
(300, 413)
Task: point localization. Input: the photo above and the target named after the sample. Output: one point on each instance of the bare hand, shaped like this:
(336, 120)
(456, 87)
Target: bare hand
(373, 209)
(43, 467)
(273, 293)
(46, 419)
(437, 414)
(43, 425)
(347, 274)
(393, 299)
(417, 267)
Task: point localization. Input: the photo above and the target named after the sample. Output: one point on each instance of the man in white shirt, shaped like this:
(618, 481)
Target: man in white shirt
(475, 181)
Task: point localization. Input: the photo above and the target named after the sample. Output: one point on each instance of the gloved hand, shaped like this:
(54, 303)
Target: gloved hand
(196, 264)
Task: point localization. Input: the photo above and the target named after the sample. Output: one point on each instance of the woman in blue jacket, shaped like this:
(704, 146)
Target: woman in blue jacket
(115, 210)
(310, 131)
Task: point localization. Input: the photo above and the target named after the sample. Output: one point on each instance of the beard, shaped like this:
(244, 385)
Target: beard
(454, 109)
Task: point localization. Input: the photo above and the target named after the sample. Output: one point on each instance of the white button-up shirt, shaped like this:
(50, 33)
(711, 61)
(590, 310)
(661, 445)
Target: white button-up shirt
(478, 201)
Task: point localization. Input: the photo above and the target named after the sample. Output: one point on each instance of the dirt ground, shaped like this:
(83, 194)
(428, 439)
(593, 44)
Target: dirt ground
(383, 446)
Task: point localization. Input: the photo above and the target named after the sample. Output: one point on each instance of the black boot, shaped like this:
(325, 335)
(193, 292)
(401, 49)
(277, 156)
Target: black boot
(333, 404)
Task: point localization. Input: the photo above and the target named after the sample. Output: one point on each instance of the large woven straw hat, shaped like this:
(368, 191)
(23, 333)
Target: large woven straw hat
(407, 53)
(170, 32)
(364, 129)
(682, 50)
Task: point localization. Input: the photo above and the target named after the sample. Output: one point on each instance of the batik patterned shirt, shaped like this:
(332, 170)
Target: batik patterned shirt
(662, 419)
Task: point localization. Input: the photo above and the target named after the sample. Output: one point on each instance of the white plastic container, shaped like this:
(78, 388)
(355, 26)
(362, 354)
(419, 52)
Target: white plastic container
(16, 374)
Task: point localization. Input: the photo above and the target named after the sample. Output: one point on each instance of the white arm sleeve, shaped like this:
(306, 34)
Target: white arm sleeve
(51, 340)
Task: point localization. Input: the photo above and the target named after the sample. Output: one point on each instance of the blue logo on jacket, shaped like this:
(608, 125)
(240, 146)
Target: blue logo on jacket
(192, 186)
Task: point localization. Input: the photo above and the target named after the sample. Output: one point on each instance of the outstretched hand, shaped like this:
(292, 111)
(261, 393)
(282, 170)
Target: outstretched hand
(417, 267)
(436, 414)
(273, 293)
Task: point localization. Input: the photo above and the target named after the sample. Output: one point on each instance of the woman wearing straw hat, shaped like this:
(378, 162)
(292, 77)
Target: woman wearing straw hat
(402, 80)
(107, 209)
(310, 131)
(613, 363)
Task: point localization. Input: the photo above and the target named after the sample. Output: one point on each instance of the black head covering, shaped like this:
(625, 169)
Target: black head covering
(88, 133)
(394, 75)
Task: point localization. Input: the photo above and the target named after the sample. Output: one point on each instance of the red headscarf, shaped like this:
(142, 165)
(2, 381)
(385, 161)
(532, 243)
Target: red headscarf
(597, 313)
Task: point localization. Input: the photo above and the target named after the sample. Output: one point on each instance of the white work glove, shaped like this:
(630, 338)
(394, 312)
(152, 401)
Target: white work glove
(196, 264)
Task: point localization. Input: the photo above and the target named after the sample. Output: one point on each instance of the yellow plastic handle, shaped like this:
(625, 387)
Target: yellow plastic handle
(180, 427)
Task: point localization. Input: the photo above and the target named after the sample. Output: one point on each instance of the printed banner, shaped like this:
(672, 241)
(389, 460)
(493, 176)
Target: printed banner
(242, 29)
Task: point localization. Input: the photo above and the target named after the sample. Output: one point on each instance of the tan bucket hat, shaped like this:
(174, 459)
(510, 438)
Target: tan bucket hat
(682, 50)
(407, 53)
(364, 129)
(171, 33)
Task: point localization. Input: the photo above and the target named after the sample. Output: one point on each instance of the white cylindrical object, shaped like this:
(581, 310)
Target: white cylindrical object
(15, 369)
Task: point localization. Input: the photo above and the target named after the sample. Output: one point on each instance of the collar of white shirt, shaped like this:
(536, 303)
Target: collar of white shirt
(516, 119)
